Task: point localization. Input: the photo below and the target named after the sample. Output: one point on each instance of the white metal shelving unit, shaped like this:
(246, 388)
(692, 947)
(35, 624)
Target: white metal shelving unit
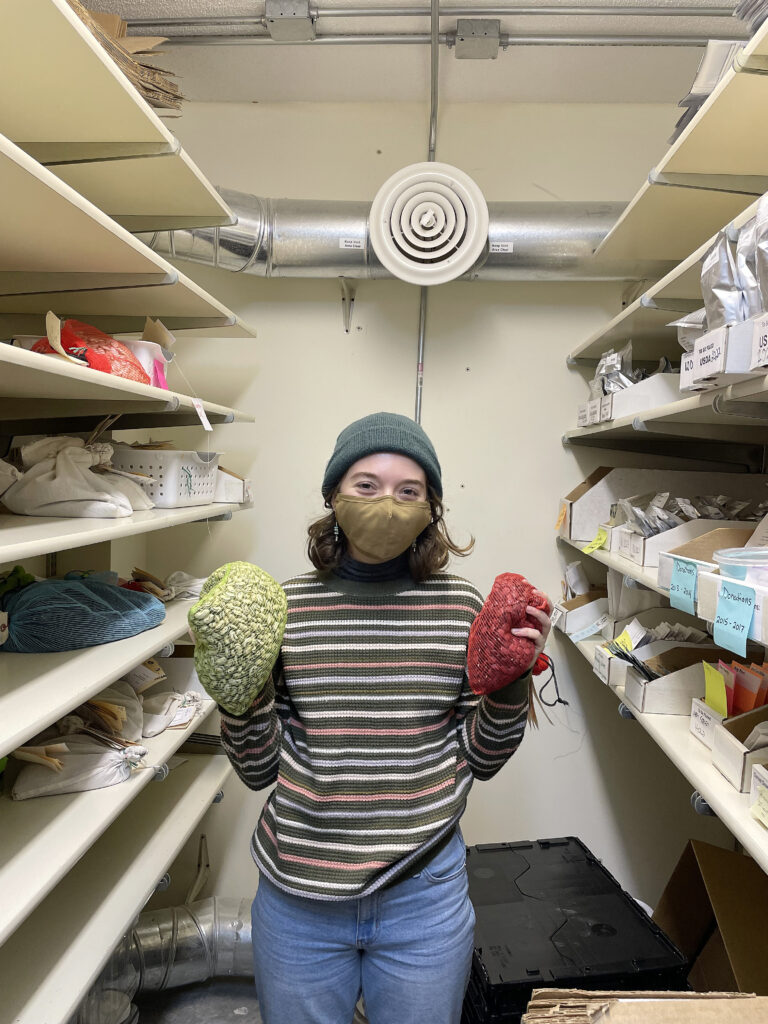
(709, 174)
(75, 870)
(68, 824)
(672, 734)
(88, 911)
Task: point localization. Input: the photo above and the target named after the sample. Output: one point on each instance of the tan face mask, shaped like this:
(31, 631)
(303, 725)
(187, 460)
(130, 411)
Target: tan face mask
(381, 528)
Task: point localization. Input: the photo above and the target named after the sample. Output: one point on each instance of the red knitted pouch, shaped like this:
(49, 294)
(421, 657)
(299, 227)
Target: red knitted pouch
(494, 656)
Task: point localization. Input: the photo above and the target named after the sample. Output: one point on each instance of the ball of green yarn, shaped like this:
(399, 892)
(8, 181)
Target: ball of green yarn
(238, 625)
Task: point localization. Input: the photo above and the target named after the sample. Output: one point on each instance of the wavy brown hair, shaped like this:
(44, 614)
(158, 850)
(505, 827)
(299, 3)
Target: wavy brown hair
(434, 545)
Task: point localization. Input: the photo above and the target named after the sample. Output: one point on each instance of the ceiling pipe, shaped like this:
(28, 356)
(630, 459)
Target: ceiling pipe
(506, 40)
(307, 238)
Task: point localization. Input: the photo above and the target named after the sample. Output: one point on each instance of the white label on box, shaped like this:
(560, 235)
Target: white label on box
(557, 614)
(581, 417)
(600, 665)
(502, 247)
(760, 343)
(703, 722)
(710, 356)
(687, 366)
(606, 408)
(595, 627)
(351, 243)
(625, 542)
(593, 411)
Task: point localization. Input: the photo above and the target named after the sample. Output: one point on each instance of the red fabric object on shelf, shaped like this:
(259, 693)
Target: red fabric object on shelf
(99, 350)
(495, 657)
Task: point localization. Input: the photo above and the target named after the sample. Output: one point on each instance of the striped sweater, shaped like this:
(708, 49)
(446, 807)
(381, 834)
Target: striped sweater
(370, 730)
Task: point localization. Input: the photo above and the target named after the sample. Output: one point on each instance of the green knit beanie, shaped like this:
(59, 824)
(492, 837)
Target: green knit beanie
(382, 432)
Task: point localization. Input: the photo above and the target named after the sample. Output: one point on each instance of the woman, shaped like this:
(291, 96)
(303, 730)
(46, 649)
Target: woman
(374, 738)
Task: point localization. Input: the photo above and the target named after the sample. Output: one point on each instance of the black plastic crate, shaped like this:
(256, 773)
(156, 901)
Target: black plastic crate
(550, 915)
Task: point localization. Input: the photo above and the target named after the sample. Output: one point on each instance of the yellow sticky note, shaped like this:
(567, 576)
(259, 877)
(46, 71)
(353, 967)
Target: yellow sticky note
(715, 690)
(600, 539)
(561, 517)
(759, 809)
(624, 640)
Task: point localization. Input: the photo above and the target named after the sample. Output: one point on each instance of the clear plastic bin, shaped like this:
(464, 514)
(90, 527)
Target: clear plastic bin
(747, 564)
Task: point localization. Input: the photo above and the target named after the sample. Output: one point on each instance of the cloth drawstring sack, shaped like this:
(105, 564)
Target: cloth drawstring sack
(88, 763)
(238, 626)
(495, 657)
(66, 615)
(160, 709)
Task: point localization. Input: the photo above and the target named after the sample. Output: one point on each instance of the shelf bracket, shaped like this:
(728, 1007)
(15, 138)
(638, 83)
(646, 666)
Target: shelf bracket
(223, 518)
(723, 406)
(700, 805)
(626, 712)
(754, 65)
(348, 291)
(671, 304)
(735, 184)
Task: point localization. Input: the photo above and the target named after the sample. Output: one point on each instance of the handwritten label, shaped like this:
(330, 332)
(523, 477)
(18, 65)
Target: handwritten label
(682, 587)
(557, 614)
(561, 517)
(593, 411)
(606, 408)
(624, 641)
(687, 366)
(582, 419)
(637, 548)
(759, 343)
(735, 606)
(709, 352)
(600, 665)
(759, 809)
(599, 541)
(201, 413)
(703, 722)
(715, 690)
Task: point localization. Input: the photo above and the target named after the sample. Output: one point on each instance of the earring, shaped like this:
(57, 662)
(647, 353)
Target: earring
(413, 546)
(335, 532)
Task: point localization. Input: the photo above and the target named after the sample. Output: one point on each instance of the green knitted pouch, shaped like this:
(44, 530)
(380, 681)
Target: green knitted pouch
(238, 626)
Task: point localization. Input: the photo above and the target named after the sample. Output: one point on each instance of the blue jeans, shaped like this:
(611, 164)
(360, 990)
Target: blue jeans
(408, 949)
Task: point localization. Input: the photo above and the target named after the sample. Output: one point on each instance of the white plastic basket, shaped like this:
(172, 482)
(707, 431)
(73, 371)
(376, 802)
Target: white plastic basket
(180, 478)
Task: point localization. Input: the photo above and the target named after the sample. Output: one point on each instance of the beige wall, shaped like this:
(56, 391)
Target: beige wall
(497, 399)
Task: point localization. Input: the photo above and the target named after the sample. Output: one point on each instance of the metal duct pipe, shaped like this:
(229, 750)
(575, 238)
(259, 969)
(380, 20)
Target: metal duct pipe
(181, 945)
(329, 238)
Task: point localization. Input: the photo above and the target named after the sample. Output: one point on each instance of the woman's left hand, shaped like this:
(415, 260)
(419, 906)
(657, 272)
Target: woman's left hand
(537, 636)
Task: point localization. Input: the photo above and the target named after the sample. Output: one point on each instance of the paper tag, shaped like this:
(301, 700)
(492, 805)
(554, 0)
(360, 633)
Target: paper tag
(3, 627)
(735, 606)
(703, 722)
(557, 614)
(637, 548)
(501, 247)
(624, 641)
(606, 408)
(759, 538)
(715, 690)
(682, 587)
(600, 665)
(351, 243)
(687, 366)
(582, 420)
(145, 675)
(635, 631)
(582, 634)
(760, 343)
(201, 413)
(576, 579)
(561, 516)
(600, 538)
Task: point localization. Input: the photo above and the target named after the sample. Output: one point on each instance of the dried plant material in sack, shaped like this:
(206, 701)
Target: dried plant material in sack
(720, 286)
(746, 262)
(81, 342)
(87, 764)
(495, 657)
(238, 626)
(116, 710)
(8, 475)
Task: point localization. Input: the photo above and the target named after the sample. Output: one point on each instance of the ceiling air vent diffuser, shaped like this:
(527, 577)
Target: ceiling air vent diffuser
(429, 223)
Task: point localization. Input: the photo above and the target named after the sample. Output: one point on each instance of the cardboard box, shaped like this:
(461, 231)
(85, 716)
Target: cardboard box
(701, 549)
(714, 909)
(647, 550)
(655, 391)
(593, 412)
(606, 408)
(230, 487)
(614, 671)
(759, 341)
(577, 1006)
(581, 416)
(648, 617)
(589, 503)
(708, 591)
(703, 721)
(671, 694)
(581, 611)
(730, 756)
(723, 356)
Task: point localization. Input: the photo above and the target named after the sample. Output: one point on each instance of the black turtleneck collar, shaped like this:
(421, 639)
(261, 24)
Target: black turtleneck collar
(377, 572)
